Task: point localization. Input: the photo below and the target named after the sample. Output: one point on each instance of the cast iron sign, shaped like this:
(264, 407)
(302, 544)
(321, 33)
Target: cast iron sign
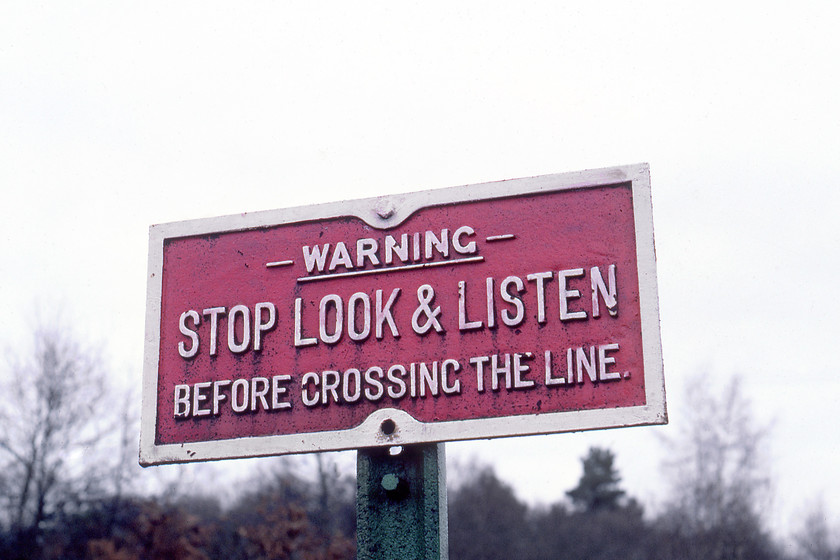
(519, 307)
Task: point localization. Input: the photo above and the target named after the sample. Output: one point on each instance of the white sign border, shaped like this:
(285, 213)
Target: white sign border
(386, 212)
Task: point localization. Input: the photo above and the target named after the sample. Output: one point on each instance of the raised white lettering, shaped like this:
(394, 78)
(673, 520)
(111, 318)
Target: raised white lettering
(566, 294)
(193, 336)
(315, 257)
(214, 313)
(608, 294)
(261, 327)
(239, 347)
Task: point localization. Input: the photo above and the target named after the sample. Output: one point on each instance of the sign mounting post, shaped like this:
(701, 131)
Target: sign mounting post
(401, 507)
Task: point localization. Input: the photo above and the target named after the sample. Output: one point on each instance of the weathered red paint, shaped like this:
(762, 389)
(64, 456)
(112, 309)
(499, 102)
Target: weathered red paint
(553, 231)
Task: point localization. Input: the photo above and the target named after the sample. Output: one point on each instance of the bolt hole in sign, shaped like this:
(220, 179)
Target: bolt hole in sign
(520, 307)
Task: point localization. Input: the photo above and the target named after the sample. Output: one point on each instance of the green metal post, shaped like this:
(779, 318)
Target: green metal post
(401, 503)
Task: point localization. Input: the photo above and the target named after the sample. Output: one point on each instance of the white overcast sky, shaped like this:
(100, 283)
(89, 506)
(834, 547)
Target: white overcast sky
(115, 116)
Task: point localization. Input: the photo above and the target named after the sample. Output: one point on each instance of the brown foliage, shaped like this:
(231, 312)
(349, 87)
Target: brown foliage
(156, 533)
(286, 532)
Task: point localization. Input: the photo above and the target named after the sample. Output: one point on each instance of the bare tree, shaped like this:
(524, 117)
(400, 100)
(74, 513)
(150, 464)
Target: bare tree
(717, 464)
(814, 539)
(54, 417)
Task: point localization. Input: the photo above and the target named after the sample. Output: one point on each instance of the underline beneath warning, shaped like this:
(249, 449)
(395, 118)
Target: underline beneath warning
(466, 260)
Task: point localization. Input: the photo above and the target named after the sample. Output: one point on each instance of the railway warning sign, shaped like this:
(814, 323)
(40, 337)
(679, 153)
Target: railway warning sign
(519, 307)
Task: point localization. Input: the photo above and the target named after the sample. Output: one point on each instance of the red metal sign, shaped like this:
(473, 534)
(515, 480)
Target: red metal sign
(520, 307)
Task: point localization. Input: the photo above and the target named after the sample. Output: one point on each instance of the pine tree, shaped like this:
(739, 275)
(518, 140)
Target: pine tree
(598, 488)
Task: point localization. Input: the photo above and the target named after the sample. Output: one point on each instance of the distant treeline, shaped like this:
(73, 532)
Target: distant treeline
(284, 516)
(68, 490)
